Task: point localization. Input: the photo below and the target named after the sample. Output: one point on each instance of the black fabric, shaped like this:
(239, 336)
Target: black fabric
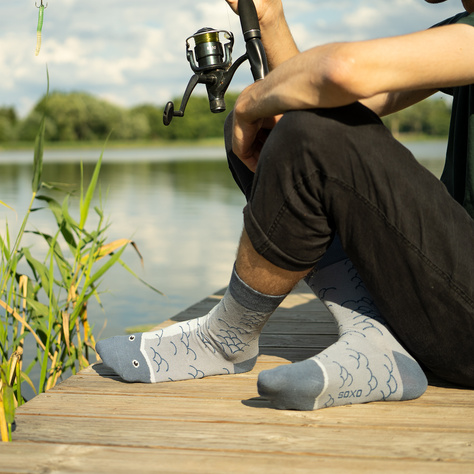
(340, 170)
(458, 173)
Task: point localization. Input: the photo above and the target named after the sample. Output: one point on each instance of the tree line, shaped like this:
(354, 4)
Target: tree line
(78, 116)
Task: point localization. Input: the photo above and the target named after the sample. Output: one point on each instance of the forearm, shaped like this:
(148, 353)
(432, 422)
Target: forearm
(307, 80)
(277, 38)
(389, 103)
(387, 73)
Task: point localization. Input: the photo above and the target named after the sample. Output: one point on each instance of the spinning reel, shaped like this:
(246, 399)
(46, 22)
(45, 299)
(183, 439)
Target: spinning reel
(211, 60)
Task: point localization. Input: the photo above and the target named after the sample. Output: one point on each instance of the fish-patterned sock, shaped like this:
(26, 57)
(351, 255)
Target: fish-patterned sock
(366, 364)
(225, 341)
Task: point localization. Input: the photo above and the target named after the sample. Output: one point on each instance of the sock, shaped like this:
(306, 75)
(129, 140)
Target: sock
(366, 364)
(225, 341)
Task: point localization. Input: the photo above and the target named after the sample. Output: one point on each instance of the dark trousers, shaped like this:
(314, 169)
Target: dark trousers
(329, 171)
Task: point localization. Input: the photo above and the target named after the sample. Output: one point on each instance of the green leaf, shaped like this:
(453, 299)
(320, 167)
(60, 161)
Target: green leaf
(9, 403)
(39, 147)
(66, 215)
(27, 379)
(6, 205)
(39, 308)
(4, 248)
(38, 157)
(52, 304)
(124, 265)
(39, 269)
(53, 206)
(85, 203)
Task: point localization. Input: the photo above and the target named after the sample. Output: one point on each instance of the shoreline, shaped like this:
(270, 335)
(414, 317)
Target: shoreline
(119, 153)
(131, 144)
(422, 148)
(111, 144)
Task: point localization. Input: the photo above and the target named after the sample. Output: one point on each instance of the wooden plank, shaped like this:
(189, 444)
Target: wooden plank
(397, 415)
(241, 386)
(317, 439)
(96, 422)
(238, 389)
(69, 458)
(294, 327)
(302, 341)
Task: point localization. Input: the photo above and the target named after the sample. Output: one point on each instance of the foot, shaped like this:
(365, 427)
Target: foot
(225, 341)
(366, 364)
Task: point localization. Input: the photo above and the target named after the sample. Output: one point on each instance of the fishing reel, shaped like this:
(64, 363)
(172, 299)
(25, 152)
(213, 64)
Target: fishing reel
(209, 53)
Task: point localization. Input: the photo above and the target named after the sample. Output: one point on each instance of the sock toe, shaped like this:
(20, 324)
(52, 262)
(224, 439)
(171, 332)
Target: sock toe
(122, 354)
(108, 354)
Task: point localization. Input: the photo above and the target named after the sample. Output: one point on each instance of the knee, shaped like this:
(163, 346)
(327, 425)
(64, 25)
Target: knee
(292, 144)
(324, 138)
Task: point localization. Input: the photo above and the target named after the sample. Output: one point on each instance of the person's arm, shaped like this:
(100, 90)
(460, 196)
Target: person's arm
(389, 103)
(382, 70)
(276, 36)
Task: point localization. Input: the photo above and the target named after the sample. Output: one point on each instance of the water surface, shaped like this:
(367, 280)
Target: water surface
(185, 217)
(180, 206)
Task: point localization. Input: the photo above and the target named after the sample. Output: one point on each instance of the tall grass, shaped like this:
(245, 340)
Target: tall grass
(46, 298)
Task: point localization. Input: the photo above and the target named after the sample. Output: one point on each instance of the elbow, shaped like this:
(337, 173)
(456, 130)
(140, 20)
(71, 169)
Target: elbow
(342, 73)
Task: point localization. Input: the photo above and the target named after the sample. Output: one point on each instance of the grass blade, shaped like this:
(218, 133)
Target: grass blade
(38, 158)
(85, 203)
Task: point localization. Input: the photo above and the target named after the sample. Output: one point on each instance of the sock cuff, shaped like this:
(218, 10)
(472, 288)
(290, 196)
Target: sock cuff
(250, 298)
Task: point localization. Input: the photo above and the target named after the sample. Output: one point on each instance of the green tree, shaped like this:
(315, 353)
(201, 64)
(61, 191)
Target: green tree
(78, 116)
(429, 117)
(8, 122)
(153, 117)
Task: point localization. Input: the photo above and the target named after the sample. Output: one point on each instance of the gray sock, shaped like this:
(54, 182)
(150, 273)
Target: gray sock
(366, 364)
(225, 341)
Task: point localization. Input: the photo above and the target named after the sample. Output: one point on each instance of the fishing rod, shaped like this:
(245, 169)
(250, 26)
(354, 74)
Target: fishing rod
(209, 53)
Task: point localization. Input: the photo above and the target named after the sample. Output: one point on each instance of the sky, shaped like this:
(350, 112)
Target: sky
(133, 52)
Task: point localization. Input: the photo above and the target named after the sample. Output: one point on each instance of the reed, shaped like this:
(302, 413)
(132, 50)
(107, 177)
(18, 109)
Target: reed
(43, 299)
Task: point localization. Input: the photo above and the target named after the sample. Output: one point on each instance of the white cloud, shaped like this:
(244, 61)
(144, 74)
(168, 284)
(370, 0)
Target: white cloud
(135, 52)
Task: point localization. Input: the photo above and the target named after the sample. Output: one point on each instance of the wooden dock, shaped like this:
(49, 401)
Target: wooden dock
(93, 422)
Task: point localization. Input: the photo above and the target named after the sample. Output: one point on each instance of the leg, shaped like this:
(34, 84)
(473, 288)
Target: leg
(407, 237)
(224, 341)
(390, 373)
(366, 364)
(242, 175)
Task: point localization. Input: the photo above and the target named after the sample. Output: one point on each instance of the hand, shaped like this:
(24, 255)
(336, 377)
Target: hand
(250, 134)
(266, 9)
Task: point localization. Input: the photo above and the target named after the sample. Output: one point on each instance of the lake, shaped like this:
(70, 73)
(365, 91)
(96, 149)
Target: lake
(181, 207)
(184, 215)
